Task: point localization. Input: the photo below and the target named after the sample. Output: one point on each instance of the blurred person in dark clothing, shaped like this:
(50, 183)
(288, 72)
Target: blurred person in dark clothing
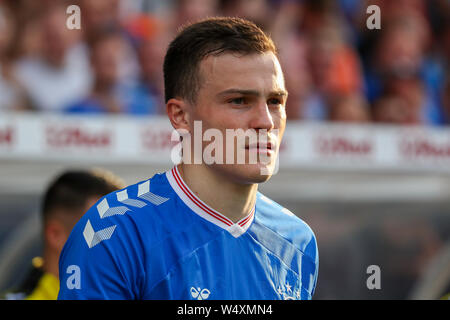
(65, 201)
(445, 52)
(446, 100)
(404, 97)
(400, 61)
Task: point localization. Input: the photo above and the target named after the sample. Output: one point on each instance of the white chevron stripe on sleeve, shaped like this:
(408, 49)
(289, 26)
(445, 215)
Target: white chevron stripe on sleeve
(105, 211)
(95, 237)
(122, 196)
(144, 193)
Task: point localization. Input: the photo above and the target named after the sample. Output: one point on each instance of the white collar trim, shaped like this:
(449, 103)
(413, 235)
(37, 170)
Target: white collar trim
(203, 210)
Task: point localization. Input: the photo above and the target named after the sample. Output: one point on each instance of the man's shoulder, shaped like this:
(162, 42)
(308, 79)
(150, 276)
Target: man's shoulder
(127, 212)
(286, 225)
(142, 196)
(272, 210)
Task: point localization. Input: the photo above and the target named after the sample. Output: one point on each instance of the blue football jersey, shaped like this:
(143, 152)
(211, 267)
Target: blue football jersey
(157, 240)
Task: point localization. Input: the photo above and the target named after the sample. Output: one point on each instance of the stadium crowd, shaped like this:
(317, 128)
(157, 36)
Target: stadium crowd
(336, 69)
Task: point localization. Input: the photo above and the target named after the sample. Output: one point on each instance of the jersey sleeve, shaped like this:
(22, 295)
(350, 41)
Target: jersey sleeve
(310, 267)
(101, 260)
(315, 257)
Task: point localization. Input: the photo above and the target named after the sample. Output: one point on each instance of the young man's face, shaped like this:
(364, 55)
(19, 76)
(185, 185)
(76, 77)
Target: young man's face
(243, 92)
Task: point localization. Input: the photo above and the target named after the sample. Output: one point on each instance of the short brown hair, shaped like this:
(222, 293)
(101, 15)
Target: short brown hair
(211, 36)
(72, 189)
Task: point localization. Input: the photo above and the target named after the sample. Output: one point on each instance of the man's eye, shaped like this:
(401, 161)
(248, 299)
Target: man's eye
(237, 101)
(274, 101)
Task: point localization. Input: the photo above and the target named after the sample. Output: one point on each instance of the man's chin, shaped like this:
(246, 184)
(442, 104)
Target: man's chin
(260, 178)
(249, 173)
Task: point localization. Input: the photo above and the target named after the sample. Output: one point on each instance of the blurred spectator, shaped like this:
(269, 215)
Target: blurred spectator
(60, 73)
(446, 100)
(103, 14)
(334, 66)
(110, 92)
(293, 54)
(445, 52)
(149, 91)
(399, 63)
(402, 101)
(98, 14)
(258, 11)
(352, 108)
(65, 201)
(394, 109)
(12, 95)
(293, 59)
(188, 11)
(151, 38)
(106, 96)
(328, 55)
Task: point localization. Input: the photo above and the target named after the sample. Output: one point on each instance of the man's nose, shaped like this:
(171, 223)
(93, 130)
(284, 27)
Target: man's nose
(262, 118)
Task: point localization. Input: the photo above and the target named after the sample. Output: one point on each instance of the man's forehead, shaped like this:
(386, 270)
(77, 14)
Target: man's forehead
(234, 68)
(231, 60)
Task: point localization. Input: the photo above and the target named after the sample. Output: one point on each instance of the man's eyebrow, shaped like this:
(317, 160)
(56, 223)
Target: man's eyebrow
(252, 92)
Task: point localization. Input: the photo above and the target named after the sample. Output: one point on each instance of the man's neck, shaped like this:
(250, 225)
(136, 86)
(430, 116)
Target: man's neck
(233, 200)
(50, 262)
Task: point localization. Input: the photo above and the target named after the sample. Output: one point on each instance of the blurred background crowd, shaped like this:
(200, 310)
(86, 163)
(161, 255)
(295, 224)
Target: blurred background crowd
(336, 69)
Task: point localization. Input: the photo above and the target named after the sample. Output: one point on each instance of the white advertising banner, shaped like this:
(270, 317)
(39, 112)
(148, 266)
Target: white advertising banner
(128, 140)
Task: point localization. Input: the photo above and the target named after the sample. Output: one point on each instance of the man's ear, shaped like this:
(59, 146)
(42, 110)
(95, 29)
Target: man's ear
(178, 111)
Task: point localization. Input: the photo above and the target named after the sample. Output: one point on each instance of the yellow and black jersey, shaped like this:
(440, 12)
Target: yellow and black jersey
(38, 285)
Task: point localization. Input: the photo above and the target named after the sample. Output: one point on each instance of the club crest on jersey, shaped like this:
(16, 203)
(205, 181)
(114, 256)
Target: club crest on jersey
(200, 294)
(287, 293)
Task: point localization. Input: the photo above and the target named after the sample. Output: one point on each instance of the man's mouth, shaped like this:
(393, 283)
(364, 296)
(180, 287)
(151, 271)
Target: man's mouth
(261, 147)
